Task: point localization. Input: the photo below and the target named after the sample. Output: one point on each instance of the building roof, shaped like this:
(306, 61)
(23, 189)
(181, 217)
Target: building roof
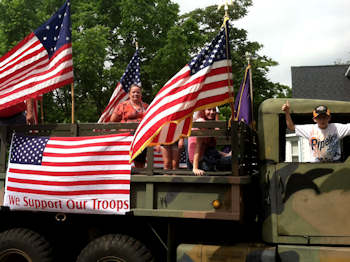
(331, 82)
(347, 73)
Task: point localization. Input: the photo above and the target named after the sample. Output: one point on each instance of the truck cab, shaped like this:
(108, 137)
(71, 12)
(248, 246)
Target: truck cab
(305, 204)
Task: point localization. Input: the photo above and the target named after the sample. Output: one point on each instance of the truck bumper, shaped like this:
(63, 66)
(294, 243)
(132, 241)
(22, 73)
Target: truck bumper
(236, 253)
(290, 253)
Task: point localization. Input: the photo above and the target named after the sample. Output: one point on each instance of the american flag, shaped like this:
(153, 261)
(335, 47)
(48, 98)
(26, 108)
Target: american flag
(87, 169)
(158, 161)
(204, 83)
(121, 92)
(41, 62)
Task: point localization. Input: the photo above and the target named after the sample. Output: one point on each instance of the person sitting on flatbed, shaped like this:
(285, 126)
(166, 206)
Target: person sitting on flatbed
(324, 137)
(202, 152)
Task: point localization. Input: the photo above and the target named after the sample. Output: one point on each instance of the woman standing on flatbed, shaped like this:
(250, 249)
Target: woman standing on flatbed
(132, 110)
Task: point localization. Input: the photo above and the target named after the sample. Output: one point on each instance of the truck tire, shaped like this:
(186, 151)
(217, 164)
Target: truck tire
(267, 255)
(24, 245)
(115, 248)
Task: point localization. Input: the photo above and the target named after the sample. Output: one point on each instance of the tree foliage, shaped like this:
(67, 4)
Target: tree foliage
(104, 35)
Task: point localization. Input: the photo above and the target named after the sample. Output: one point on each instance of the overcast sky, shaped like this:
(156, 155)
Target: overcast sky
(294, 32)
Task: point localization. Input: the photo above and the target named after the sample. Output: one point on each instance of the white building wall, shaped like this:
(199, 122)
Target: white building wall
(297, 148)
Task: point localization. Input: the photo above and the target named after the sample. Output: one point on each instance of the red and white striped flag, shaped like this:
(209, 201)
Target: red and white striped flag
(121, 92)
(158, 161)
(204, 83)
(40, 63)
(69, 174)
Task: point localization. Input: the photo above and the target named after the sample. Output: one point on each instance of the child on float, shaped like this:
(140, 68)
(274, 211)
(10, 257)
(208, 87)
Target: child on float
(202, 152)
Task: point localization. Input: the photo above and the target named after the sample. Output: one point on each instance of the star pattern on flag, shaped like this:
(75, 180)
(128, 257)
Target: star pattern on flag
(57, 31)
(213, 52)
(28, 150)
(132, 73)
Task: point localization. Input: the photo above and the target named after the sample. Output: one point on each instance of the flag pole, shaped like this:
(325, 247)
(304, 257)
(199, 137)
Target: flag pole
(72, 94)
(234, 126)
(248, 55)
(230, 87)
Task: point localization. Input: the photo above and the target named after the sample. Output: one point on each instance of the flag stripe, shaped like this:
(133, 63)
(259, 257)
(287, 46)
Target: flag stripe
(71, 168)
(71, 183)
(69, 193)
(81, 139)
(19, 64)
(108, 153)
(18, 50)
(174, 109)
(39, 66)
(38, 77)
(86, 163)
(118, 96)
(184, 93)
(29, 61)
(63, 64)
(69, 174)
(41, 62)
(89, 172)
(186, 83)
(205, 82)
(131, 76)
(69, 188)
(102, 144)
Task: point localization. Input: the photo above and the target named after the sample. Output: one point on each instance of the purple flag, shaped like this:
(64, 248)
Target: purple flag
(243, 102)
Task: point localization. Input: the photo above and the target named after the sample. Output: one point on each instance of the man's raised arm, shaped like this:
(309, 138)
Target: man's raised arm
(289, 120)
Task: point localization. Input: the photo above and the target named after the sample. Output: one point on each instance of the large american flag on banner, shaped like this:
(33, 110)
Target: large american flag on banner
(121, 92)
(203, 83)
(69, 174)
(41, 62)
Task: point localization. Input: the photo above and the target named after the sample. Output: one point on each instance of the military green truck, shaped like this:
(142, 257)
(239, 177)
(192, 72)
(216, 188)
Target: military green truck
(265, 209)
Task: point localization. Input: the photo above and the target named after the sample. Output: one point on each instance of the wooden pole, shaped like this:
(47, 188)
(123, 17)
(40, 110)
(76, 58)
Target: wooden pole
(72, 94)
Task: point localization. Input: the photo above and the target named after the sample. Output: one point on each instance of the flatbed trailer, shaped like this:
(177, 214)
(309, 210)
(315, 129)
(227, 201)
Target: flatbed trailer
(162, 203)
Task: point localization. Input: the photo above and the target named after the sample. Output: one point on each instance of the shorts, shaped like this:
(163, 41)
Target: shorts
(173, 146)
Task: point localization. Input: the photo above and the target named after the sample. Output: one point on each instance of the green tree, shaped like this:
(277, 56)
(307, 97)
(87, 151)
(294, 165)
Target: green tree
(209, 20)
(104, 42)
(104, 35)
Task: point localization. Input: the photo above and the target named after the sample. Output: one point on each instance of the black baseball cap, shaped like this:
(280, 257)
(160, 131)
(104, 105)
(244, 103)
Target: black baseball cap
(321, 110)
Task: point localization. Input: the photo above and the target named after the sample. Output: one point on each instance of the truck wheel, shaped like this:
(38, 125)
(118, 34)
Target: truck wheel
(23, 245)
(267, 255)
(115, 248)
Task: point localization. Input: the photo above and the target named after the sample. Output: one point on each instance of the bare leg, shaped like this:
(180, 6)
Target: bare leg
(167, 157)
(175, 158)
